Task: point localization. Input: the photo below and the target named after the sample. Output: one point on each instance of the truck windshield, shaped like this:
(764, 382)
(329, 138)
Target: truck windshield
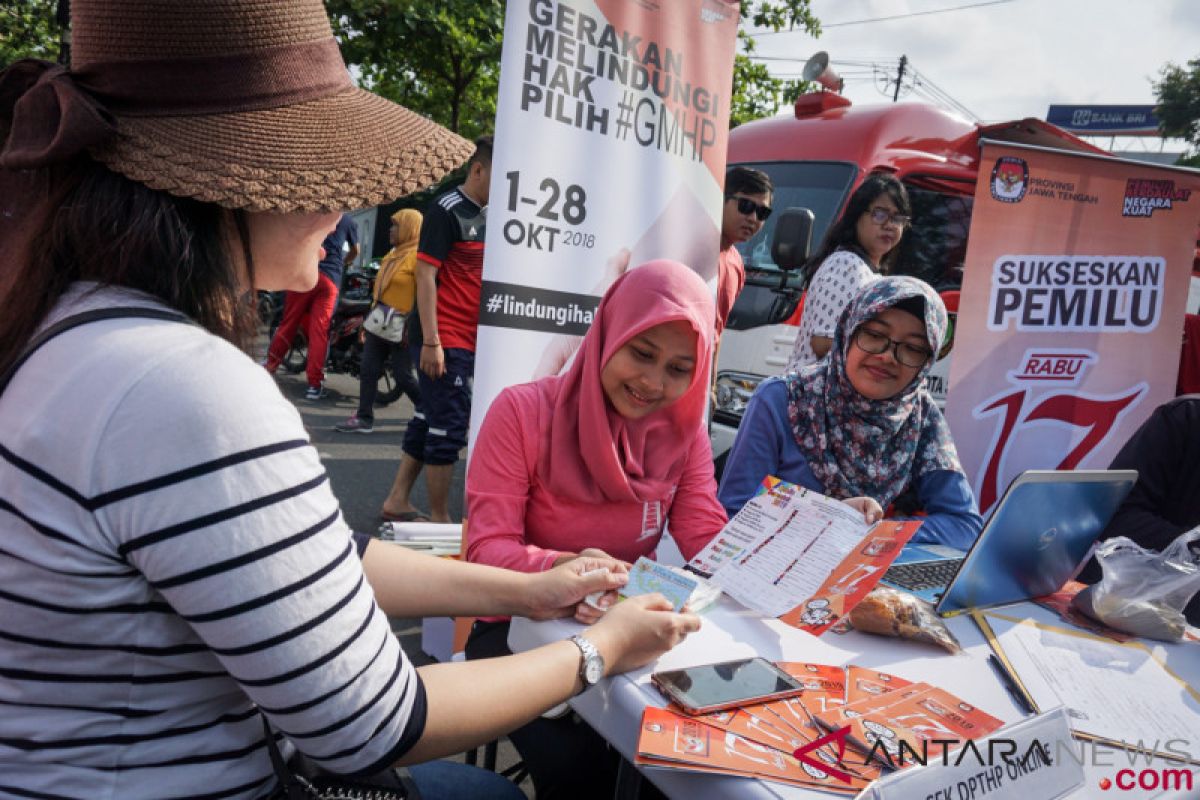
(934, 249)
(820, 186)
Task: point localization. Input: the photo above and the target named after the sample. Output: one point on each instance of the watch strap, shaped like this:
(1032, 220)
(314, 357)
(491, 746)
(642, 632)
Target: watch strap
(590, 654)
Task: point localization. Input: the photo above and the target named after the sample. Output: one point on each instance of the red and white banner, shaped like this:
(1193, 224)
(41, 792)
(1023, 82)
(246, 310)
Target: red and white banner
(1071, 314)
(611, 131)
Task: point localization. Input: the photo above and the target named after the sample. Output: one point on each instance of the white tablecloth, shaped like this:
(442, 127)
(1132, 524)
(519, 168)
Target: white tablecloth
(614, 707)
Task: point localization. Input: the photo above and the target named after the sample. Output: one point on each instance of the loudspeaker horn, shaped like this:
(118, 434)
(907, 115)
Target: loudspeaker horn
(817, 69)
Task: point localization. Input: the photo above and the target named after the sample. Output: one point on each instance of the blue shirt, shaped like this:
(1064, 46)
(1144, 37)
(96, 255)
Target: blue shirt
(334, 244)
(765, 446)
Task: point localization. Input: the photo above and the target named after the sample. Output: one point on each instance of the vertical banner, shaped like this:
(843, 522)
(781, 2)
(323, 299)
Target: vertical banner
(611, 131)
(1071, 313)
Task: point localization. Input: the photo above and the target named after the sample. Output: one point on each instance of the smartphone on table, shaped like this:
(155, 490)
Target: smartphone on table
(714, 687)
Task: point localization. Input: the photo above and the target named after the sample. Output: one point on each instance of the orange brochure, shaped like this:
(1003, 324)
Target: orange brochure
(862, 683)
(753, 723)
(824, 689)
(803, 726)
(921, 726)
(675, 740)
(817, 678)
(795, 717)
(841, 716)
(853, 578)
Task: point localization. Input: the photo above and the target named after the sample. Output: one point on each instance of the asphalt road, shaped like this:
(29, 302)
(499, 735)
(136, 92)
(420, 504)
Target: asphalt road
(361, 468)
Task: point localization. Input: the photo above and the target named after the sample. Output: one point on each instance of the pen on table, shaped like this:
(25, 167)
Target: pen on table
(1007, 680)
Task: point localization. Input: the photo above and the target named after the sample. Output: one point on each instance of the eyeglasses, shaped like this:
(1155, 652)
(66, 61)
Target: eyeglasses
(881, 215)
(747, 206)
(875, 343)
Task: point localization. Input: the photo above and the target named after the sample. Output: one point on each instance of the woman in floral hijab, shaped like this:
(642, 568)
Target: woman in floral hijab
(860, 422)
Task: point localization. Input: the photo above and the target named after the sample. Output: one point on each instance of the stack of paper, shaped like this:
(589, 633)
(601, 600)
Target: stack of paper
(431, 538)
(916, 723)
(800, 556)
(824, 739)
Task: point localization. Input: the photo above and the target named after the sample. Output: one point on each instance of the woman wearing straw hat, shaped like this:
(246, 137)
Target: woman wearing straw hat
(174, 569)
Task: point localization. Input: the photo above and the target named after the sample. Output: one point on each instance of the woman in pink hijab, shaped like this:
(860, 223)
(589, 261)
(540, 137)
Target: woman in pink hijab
(601, 457)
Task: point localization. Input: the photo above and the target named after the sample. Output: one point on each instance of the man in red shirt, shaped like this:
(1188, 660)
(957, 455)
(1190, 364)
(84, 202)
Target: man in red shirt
(747, 206)
(449, 277)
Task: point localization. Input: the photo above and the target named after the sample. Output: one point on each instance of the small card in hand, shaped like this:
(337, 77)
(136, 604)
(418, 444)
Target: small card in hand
(647, 576)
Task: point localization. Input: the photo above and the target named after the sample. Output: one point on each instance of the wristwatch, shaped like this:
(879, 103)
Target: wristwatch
(591, 669)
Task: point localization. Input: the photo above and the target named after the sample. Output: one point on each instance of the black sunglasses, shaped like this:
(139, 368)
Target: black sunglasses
(747, 206)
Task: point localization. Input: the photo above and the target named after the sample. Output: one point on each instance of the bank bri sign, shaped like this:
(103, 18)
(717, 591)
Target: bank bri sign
(1105, 120)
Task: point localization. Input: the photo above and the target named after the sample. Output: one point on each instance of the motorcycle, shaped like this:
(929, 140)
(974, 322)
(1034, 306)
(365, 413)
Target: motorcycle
(345, 334)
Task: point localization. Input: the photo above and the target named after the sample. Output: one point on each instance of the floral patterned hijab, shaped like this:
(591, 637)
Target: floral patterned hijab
(862, 447)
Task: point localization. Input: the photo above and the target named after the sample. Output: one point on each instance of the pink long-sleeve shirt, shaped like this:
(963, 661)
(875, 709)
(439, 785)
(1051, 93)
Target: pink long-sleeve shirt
(515, 522)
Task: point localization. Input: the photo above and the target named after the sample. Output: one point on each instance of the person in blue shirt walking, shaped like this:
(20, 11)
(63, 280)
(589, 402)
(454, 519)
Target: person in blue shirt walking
(860, 421)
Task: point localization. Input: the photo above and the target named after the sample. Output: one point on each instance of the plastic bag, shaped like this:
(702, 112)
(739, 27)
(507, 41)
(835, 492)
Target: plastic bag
(1144, 592)
(890, 612)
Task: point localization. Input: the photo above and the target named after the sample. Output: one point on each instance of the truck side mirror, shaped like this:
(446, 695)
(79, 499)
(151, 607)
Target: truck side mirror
(792, 239)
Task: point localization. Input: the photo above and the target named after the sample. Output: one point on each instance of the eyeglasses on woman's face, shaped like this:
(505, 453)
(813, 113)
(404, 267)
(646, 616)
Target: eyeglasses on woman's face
(881, 216)
(877, 343)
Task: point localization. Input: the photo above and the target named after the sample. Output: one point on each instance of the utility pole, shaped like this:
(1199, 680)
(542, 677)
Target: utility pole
(899, 77)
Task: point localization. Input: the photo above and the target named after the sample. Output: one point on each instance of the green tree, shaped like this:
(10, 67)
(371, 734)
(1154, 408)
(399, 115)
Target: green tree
(28, 30)
(756, 93)
(440, 59)
(443, 59)
(1178, 110)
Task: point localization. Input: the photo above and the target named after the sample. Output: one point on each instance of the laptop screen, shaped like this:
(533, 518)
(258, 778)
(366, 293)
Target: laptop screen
(1036, 538)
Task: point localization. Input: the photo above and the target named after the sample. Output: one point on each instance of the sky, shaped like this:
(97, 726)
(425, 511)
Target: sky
(1002, 60)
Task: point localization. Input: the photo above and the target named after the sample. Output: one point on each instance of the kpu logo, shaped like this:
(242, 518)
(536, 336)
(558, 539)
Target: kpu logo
(1010, 176)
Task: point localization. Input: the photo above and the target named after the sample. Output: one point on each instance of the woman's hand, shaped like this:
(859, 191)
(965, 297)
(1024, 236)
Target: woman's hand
(558, 592)
(869, 508)
(638, 630)
(593, 608)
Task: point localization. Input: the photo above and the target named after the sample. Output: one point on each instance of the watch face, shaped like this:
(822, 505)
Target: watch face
(594, 670)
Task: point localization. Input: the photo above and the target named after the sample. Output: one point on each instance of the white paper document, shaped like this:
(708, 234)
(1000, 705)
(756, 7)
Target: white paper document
(781, 547)
(1112, 691)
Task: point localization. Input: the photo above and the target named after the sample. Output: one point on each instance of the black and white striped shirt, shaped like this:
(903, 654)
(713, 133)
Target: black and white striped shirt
(171, 557)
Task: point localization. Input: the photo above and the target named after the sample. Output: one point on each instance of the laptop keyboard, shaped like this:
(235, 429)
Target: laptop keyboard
(922, 574)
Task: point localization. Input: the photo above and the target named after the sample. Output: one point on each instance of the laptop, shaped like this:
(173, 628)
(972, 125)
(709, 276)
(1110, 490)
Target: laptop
(1035, 540)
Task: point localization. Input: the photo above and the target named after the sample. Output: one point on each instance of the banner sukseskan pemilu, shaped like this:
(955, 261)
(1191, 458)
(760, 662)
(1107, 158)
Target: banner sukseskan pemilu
(1071, 314)
(611, 132)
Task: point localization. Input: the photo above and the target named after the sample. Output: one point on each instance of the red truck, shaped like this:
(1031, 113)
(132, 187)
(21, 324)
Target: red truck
(816, 158)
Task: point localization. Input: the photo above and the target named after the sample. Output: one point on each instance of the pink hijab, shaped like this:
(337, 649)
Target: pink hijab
(595, 454)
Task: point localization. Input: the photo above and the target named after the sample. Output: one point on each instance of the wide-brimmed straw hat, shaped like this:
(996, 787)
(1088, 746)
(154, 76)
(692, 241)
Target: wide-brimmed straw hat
(242, 103)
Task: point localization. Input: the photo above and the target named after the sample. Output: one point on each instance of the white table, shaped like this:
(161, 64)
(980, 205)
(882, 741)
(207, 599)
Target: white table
(614, 707)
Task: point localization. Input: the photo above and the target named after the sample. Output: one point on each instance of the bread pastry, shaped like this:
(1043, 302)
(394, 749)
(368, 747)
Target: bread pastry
(889, 612)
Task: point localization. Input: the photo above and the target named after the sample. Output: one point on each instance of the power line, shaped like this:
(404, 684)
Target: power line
(883, 72)
(947, 98)
(869, 20)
